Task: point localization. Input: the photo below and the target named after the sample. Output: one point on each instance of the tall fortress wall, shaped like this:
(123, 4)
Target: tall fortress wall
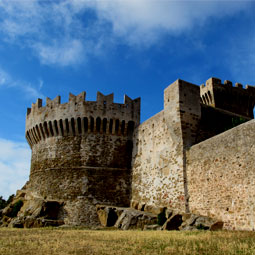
(81, 152)
(190, 156)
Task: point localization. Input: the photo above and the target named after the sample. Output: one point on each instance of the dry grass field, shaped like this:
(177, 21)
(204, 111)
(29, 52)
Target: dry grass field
(81, 242)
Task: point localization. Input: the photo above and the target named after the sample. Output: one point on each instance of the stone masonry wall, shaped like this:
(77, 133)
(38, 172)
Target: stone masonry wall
(81, 153)
(157, 176)
(82, 171)
(221, 176)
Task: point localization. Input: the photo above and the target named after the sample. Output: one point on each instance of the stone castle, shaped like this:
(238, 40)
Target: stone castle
(190, 156)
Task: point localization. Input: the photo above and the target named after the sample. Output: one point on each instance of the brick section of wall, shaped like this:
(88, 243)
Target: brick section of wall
(221, 176)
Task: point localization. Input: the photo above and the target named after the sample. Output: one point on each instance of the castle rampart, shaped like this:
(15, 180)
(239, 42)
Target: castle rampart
(235, 99)
(171, 170)
(187, 157)
(81, 152)
(78, 117)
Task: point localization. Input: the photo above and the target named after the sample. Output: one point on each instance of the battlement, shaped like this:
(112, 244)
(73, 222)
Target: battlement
(79, 117)
(235, 99)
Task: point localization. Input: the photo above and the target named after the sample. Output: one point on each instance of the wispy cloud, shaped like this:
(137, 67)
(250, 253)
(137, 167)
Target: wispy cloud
(14, 166)
(68, 53)
(6, 80)
(66, 32)
(144, 21)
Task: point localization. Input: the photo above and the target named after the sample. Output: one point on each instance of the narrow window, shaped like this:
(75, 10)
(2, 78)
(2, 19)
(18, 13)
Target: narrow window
(207, 99)
(32, 136)
(73, 126)
(110, 125)
(98, 124)
(41, 128)
(104, 125)
(122, 127)
(38, 132)
(85, 119)
(131, 126)
(35, 135)
(91, 124)
(117, 123)
(61, 127)
(210, 96)
(51, 129)
(79, 125)
(203, 97)
(67, 126)
(46, 129)
(56, 127)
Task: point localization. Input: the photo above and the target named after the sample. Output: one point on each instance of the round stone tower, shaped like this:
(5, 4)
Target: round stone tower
(81, 153)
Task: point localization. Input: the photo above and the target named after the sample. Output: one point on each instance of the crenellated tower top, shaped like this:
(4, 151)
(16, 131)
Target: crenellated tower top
(235, 99)
(79, 116)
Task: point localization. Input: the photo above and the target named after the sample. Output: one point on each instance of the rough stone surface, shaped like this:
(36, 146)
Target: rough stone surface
(89, 153)
(221, 177)
(124, 218)
(81, 153)
(187, 221)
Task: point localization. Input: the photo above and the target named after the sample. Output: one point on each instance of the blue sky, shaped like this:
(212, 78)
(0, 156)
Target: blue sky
(133, 47)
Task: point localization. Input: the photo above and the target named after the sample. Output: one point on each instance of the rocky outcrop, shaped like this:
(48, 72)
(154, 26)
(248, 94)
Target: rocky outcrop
(166, 219)
(24, 212)
(124, 218)
(187, 221)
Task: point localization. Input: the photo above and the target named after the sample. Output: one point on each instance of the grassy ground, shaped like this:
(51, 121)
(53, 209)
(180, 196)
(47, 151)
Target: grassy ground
(81, 242)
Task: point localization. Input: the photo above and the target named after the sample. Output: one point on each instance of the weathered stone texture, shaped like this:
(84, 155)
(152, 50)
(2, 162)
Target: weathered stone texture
(157, 177)
(82, 171)
(87, 153)
(124, 218)
(81, 153)
(158, 155)
(221, 176)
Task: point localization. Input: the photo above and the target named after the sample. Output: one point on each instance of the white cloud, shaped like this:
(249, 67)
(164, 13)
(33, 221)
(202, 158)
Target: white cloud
(29, 90)
(14, 166)
(65, 54)
(144, 21)
(61, 33)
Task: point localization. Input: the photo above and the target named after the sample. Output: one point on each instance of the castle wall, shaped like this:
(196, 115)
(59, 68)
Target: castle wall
(221, 176)
(235, 99)
(82, 171)
(158, 177)
(81, 153)
(86, 153)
